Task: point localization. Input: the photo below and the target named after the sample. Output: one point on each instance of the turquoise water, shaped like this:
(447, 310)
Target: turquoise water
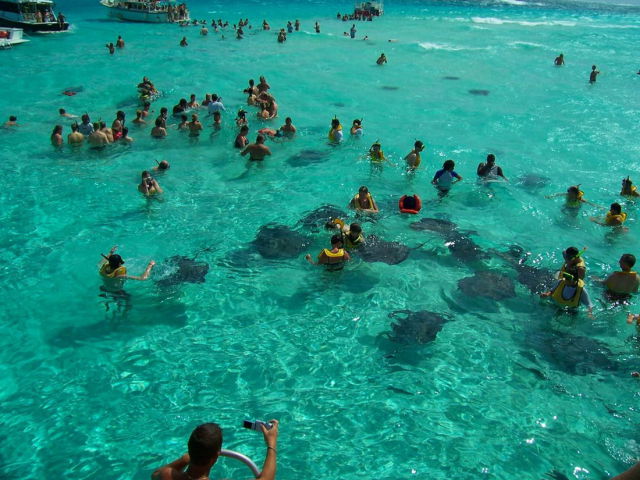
(100, 387)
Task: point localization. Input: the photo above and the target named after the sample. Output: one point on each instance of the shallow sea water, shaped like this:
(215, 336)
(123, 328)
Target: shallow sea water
(103, 387)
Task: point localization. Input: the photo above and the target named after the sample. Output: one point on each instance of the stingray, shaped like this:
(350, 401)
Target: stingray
(415, 327)
(338, 104)
(570, 353)
(183, 269)
(479, 92)
(537, 280)
(488, 284)
(451, 78)
(316, 219)
(386, 87)
(531, 181)
(279, 241)
(307, 157)
(443, 227)
(377, 250)
(464, 248)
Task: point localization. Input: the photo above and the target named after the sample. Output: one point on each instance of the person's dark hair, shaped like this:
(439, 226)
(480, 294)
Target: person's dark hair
(163, 110)
(205, 443)
(363, 189)
(616, 208)
(61, 111)
(182, 102)
(418, 145)
(96, 126)
(120, 115)
(449, 165)
(163, 165)
(184, 118)
(287, 120)
(357, 122)
(628, 259)
(491, 157)
(571, 252)
(158, 122)
(574, 189)
(244, 129)
(74, 127)
(260, 139)
(214, 97)
(593, 67)
(115, 261)
(103, 125)
(147, 104)
(336, 239)
(57, 129)
(355, 228)
(145, 174)
(85, 118)
(251, 82)
(216, 114)
(335, 122)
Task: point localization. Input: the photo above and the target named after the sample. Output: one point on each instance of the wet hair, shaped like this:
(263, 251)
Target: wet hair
(103, 125)
(335, 239)
(251, 82)
(616, 208)
(260, 139)
(244, 129)
(575, 189)
(335, 122)
(193, 95)
(355, 228)
(163, 165)
(163, 110)
(138, 113)
(146, 174)
(571, 252)
(491, 157)
(57, 129)
(357, 122)
(60, 111)
(205, 443)
(120, 115)
(147, 104)
(74, 127)
(158, 122)
(593, 67)
(184, 118)
(418, 145)
(85, 118)
(287, 120)
(96, 126)
(449, 165)
(214, 97)
(628, 259)
(363, 189)
(115, 261)
(183, 101)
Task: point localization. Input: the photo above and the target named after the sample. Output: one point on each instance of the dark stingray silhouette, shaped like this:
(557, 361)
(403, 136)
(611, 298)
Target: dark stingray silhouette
(463, 248)
(479, 92)
(532, 181)
(307, 157)
(316, 219)
(488, 284)
(537, 280)
(183, 269)
(570, 353)
(451, 78)
(415, 327)
(387, 87)
(279, 241)
(443, 227)
(377, 250)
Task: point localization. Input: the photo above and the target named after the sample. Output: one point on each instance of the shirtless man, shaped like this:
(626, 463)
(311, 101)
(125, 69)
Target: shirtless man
(382, 59)
(75, 137)
(107, 131)
(413, 159)
(120, 42)
(56, 136)
(194, 126)
(288, 129)
(594, 74)
(97, 138)
(139, 120)
(241, 138)
(626, 281)
(257, 151)
(12, 122)
(158, 131)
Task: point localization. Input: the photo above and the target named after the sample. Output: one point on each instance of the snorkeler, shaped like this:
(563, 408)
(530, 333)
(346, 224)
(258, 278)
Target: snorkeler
(335, 132)
(149, 185)
(382, 59)
(333, 259)
(114, 273)
(413, 158)
(446, 176)
(570, 291)
(628, 188)
(574, 197)
(356, 128)
(363, 201)
(615, 217)
(489, 170)
(376, 154)
(573, 260)
(161, 166)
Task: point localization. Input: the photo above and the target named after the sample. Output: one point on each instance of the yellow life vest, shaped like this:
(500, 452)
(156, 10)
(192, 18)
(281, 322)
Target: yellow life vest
(573, 301)
(105, 271)
(377, 157)
(613, 217)
(418, 159)
(330, 254)
(577, 201)
(351, 244)
(339, 128)
(580, 264)
(356, 201)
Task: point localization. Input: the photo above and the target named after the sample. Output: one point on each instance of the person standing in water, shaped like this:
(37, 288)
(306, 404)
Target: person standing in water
(489, 170)
(334, 258)
(114, 273)
(559, 61)
(413, 159)
(317, 27)
(594, 74)
(382, 59)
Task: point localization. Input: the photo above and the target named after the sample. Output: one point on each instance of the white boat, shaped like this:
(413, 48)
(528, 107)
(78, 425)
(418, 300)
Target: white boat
(31, 16)
(147, 11)
(10, 37)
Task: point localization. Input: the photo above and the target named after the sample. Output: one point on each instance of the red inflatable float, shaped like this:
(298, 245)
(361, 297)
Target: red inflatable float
(410, 204)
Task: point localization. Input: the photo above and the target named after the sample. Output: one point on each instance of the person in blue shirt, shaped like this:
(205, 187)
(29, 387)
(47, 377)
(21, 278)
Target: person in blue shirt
(444, 178)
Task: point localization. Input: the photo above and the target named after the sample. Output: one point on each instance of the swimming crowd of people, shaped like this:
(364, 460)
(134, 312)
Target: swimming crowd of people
(569, 291)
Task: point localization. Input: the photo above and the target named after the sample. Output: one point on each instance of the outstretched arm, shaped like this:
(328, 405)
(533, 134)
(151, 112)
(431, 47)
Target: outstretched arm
(632, 474)
(146, 273)
(271, 439)
(166, 471)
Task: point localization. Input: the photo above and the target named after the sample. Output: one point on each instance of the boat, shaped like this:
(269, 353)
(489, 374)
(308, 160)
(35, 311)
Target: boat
(10, 37)
(369, 9)
(147, 11)
(32, 16)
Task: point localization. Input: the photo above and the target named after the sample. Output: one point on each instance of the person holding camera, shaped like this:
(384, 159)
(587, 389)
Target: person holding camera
(204, 448)
(149, 186)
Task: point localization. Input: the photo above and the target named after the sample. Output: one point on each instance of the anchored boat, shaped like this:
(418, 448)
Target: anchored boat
(31, 16)
(10, 37)
(146, 11)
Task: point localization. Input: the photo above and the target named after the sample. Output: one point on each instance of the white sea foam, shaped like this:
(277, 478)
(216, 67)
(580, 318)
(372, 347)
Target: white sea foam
(447, 47)
(525, 23)
(514, 2)
(526, 44)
